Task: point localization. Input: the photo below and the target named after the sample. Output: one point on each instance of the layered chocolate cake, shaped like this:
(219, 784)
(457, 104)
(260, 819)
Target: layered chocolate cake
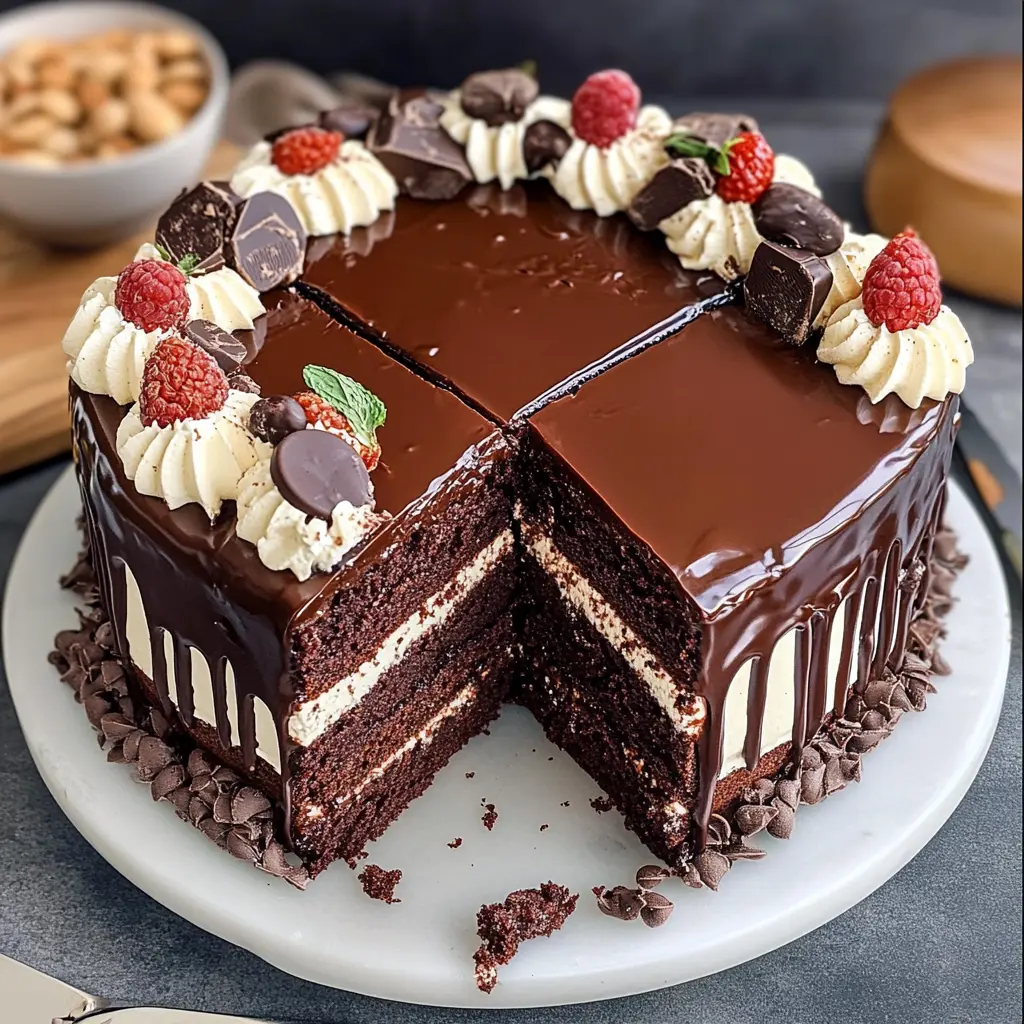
(488, 396)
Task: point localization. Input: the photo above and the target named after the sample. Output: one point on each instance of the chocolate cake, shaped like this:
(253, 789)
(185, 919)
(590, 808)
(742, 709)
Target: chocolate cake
(513, 401)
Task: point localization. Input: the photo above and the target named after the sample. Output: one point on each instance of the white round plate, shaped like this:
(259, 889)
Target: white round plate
(420, 950)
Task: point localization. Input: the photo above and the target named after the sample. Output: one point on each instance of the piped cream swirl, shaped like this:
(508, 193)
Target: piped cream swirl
(350, 192)
(849, 263)
(606, 180)
(224, 298)
(496, 151)
(929, 361)
(711, 234)
(192, 460)
(286, 538)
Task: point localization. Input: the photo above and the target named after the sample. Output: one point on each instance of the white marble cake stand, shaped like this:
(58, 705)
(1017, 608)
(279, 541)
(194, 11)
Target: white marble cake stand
(419, 950)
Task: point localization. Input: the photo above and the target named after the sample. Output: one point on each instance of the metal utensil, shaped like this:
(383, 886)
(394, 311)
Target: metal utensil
(28, 996)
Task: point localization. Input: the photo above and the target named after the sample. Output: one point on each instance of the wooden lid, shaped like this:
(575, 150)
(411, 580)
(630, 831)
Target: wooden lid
(948, 162)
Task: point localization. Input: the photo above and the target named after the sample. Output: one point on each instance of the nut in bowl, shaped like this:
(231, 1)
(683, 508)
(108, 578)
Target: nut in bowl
(107, 110)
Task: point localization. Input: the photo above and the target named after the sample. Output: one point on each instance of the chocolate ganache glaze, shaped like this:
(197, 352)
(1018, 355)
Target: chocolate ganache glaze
(208, 590)
(502, 294)
(778, 494)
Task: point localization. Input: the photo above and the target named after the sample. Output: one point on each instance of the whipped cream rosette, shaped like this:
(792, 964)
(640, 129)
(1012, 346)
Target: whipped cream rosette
(496, 151)
(606, 179)
(286, 537)
(895, 336)
(310, 500)
(713, 234)
(198, 460)
(849, 263)
(107, 351)
(351, 189)
(928, 361)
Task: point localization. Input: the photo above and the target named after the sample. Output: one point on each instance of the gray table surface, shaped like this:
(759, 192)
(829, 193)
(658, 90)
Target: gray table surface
(941, 941)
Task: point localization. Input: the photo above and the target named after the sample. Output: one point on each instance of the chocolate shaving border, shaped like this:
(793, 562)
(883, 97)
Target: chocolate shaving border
(212, 797)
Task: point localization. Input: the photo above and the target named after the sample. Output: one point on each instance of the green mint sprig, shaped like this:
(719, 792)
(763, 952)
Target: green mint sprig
(187, 264)
(685, 145)
(364, 411)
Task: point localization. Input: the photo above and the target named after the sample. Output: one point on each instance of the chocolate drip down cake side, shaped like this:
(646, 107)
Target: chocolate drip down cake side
(489, 396)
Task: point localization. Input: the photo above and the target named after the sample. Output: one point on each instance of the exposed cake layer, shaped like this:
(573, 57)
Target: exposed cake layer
(585, 690)
(784, 516)
(503, 294)
(231, 644)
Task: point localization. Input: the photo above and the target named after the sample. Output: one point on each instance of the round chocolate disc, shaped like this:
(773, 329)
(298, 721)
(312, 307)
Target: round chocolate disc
(268, 243)
(793, 216)
(498, 97)
(315, 469)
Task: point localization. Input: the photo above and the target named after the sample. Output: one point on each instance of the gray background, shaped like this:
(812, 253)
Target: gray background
(939, 942)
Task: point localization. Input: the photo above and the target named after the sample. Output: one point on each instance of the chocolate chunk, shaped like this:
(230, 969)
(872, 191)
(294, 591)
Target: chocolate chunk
(714, 129)
(793, 216)
(268, 242)
(199, 223)
(684, 180)
(424, 159)
(651, 875)
(239, 380)
(656, 910)
(315, 469)
(785, 288)
(544, 142)
(353, 120)
(498, 97)
(273, 418)
(224, 347)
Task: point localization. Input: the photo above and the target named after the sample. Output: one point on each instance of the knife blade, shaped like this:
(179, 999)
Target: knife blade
(28, 996)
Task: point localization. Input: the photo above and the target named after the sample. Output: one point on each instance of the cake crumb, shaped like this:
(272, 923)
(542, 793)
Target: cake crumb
(455, 843)
(379, 884)
(470, 775)
(564, 803)
(525, 914)
(490, 817)
(602, 804)
(544, 826)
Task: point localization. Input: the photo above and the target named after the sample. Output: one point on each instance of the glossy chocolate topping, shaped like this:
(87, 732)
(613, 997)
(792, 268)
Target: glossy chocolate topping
(770, 452)
(501, 296)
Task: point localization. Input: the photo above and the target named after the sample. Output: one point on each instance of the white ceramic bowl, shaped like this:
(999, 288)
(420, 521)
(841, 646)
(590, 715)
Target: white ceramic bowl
(96, 202)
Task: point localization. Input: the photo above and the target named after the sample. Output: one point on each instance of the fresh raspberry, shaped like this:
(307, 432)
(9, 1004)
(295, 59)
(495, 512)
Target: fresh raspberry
(180, 381)
(751, 168)
(319, 411)
(605, 107)
(901, 286)
(305, 150)
(152, 295)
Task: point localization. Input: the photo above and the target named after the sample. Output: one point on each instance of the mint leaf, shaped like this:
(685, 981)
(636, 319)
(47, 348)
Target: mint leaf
(364, 411)
(188, 263)
(528, 67)
(685, 145)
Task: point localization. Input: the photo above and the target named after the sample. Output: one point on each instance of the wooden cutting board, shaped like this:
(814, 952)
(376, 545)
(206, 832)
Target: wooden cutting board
(39, 291)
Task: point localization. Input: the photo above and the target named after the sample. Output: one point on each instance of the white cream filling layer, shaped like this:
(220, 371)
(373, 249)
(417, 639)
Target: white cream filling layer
(423, 738)
(312, 719)
(578, 592)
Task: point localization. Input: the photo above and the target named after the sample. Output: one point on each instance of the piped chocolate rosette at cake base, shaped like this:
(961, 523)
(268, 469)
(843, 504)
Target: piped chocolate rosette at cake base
(475, 398)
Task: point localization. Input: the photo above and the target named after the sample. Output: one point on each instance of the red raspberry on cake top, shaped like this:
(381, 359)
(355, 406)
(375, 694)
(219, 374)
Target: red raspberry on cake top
(180, 381)
(901, 287)
(751, 168)
(152, 294)
(320, 411)
(605, 107)
(305, 150)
